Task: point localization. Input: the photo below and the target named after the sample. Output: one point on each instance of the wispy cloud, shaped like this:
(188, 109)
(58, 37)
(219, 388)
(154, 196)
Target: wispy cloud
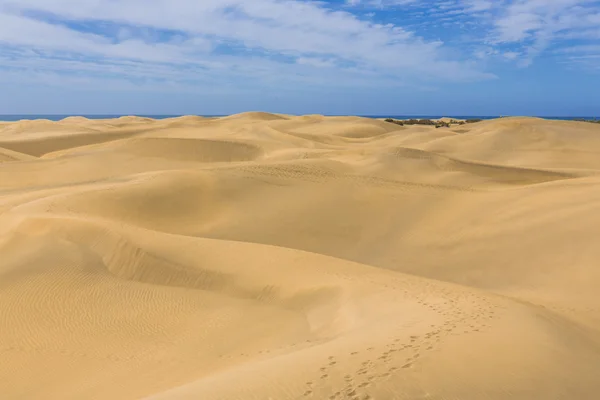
(180, 39)
(382, 42)
(536, 25)
(520, 30)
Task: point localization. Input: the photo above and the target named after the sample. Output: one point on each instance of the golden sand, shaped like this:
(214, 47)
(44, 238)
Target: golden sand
(264, 256)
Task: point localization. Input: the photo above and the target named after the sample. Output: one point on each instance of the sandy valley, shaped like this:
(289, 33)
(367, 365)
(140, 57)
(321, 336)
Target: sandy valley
(263, 256)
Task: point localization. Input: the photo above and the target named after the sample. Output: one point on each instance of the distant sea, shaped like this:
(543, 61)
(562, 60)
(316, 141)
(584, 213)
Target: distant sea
(59, 117)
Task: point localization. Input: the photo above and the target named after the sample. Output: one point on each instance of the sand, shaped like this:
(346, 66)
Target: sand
(264, 256)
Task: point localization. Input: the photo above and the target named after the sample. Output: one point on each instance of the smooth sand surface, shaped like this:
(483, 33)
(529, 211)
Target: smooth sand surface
(263, 256)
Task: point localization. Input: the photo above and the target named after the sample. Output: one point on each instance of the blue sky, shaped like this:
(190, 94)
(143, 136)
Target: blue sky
(450, 57)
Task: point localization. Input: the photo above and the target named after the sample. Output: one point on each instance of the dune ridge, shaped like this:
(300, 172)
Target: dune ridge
(269, 256)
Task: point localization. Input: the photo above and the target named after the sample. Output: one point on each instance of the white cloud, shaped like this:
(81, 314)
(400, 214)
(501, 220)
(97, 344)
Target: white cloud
(183, 41)
(316, 62)
(285, 34)
(588, 48)
(533, 26)
(583, 57)
(529, 27)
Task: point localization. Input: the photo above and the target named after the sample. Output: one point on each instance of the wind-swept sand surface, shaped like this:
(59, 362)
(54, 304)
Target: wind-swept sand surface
(264, 256)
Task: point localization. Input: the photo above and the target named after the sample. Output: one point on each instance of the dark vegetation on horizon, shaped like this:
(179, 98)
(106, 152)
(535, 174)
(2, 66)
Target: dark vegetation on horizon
(437, 124)
(593, 121)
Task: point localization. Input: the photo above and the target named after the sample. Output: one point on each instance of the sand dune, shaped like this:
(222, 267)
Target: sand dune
(264, 256)
(254, 116)
(9, 155)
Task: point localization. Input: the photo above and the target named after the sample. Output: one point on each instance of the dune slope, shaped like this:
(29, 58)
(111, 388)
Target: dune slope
(263, 256)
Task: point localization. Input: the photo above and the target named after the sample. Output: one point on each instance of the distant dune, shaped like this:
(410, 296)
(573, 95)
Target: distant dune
(254, 116)
(265, 256)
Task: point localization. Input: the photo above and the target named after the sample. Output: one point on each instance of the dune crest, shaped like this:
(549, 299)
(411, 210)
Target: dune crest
(254, 116)
(270, 256)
